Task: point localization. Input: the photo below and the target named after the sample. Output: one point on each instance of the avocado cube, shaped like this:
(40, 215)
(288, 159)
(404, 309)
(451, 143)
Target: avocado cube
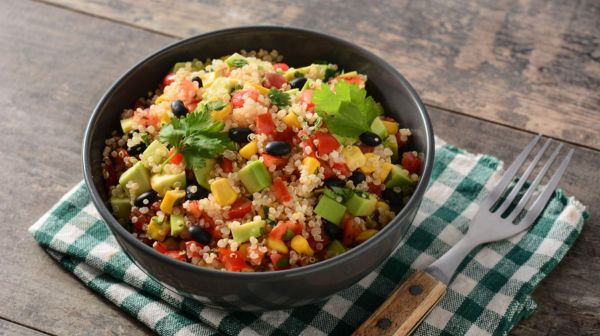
(220, 88)
(158, 228)
(361, 206)
(126, 125)
(161, 183)
(233, 59)
(330, 210)
(177, 224)
(392, 143)
(155, 154)
(121, 208)
(335, 248)
(378, 127)
(255, 176)
(202, 172)
(135, 180)
(399, 177)
(242, 233)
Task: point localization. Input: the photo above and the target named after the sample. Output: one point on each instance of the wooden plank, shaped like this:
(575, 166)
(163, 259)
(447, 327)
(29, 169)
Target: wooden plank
(528, 64)
(8, 328)
(65, 61)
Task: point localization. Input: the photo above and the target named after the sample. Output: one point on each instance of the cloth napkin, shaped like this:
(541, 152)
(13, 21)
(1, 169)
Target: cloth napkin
(489, 295)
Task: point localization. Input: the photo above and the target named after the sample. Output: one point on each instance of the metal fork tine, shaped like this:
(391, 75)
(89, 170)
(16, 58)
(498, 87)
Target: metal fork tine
(534, 185)
(509, 174)
(515, 191)
(541, 201)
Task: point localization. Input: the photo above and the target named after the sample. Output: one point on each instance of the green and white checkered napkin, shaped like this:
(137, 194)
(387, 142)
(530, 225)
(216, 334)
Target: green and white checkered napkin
(489, 295)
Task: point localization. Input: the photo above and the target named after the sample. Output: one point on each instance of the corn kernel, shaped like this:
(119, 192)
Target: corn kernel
(354, 157)
(165, 118)
(222, 113)
(171, 197)
(249, 149)
(382, 205)
(370, 164)
(223, 191)
(365, 235)
(385, 171)
(300, 245)
(311, 164)
(277, 245)
(160, 99)
(291, 120)
(391, 127)
(158, 228)
(208, 79)
(261, 89)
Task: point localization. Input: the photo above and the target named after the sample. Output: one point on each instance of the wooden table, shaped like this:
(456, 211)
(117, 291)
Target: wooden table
(492, 74)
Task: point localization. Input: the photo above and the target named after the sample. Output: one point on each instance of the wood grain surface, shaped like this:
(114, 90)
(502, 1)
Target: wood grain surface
(55, 65)
(528, 64)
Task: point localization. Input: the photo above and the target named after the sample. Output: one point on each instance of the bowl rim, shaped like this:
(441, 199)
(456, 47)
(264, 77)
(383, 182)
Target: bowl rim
(294, 272)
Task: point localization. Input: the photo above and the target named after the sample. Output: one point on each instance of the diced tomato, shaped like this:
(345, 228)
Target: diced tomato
(411, 162)
(306, 97)
(286, 135)
(193, 249)
(192, 105)
(351, 230)
(238, 99)
(227, 165)
(281, 190)
(177, 158)
(274, 161)
(274, 80)
(352, 80)
(366, 149)
(375, 189)
(254, 255)
(194, 209)
(265, 124)
(279, 261)
(169, 78)
(281, 66)
(399, 140)
(239, 208)
(327, 171)
(281, 227)
(233, 260)
(146, 118)
(344, 170)
(175, 255)
(326, 143)
(308, 143)
(160, 247)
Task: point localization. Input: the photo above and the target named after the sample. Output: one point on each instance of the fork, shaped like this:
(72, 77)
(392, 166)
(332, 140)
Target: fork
(494, 221)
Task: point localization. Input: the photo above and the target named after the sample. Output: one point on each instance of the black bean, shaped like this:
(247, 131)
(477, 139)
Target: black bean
(137, 149)
(197, 80)
(334, 182)
(298, 83)
(357, 178)
(332, 230)
(145, 199)
(195, 192)
(179, 110)
(200, 235)
(239, 134)
(278, 148)
(391, 197)
(370, 139)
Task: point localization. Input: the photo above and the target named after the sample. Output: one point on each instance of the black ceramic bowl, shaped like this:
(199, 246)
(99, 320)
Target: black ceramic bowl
(269, 290)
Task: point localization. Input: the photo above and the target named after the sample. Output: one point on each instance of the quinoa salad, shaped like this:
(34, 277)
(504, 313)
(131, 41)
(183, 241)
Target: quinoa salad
(246, 164)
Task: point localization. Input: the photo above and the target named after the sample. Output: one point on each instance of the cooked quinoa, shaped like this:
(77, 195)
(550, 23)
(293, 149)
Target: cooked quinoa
(244, 163)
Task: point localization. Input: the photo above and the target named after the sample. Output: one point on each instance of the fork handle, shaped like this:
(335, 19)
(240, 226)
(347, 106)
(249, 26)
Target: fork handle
(405, 308)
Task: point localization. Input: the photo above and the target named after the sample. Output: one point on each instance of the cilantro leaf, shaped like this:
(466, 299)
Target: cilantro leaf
(196, 136)
(348, 112)
(279, 98)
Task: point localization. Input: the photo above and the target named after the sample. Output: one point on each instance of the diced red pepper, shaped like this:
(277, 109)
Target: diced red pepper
(351, 230)
(411, 162)
(281, 190)
(326, 143)
(175, 255)
(192, 106)
(194, 209)
(265, 124)
(239, 208)
(344, 170)
(177, 158)
(227, 165)
(306, 97)
(366, 149)
(281, 66)
(327, 171)
(286, 135)
(238, 99)
(169, 78)
(146, 117)
(375, 189)
(233, 260)
(274, 161)
(399, 140)
(193, 249)
(351, 79)
(160, 247)
(308, 143)
(274, 80)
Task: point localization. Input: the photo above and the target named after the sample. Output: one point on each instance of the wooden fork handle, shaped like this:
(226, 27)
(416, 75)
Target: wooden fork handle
(405, 308)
